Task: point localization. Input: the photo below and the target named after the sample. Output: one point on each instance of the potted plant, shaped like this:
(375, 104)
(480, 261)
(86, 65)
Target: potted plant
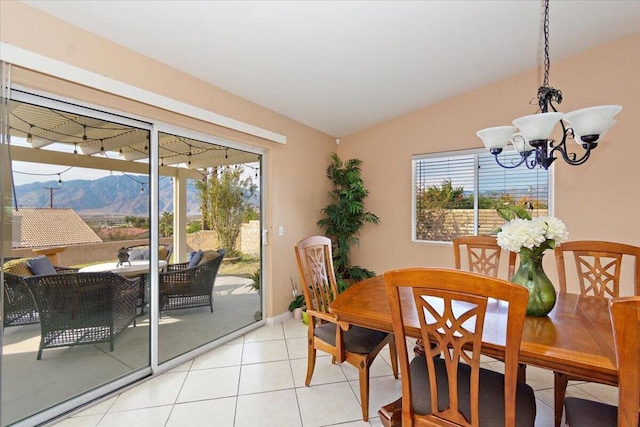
(345, 216)
(298, 303)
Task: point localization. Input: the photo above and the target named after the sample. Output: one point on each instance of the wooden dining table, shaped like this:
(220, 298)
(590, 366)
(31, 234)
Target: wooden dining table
(575, 338)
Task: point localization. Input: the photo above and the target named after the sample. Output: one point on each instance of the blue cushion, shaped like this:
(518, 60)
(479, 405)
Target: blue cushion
(41, 266)
(195, 259)
(190, 255)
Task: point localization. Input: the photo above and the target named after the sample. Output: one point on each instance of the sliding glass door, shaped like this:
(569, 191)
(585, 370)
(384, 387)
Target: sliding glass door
(150, 238)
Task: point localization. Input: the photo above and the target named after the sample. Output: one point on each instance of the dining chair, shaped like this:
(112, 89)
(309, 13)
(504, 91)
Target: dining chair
(447, 386)
(355, 345)
(483, 255)
(625, 315)
(598, 266)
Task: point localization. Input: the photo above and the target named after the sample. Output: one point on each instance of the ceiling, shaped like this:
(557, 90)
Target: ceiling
(342, 66)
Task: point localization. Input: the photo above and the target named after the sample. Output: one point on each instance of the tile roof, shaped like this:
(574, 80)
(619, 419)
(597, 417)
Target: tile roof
(41, 227)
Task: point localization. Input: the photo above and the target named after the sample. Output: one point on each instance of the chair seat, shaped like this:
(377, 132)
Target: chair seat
(356, 339)
(587, 413)
(491, 393)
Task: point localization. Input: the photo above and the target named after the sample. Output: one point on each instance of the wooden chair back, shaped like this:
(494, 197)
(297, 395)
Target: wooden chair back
(451, 307)
(598, 265)
(625, 314)
(315, 265)
(483, 255)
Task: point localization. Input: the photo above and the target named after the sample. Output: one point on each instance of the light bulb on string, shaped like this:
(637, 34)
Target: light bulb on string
(226, 153)
(120, 152)
(30, 135)
(101, 147)
(84, 132)
(75, 149)
(59, 180)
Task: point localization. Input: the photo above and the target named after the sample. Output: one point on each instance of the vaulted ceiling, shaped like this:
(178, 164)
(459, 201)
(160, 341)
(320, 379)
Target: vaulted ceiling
(341, 66)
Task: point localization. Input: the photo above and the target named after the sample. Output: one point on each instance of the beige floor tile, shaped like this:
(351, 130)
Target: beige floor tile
(379, 368)
(544, 414)
(328, 404)
(264, 351)
(184, 367)
(205, 413)
(539, 379)
(226, 355)
(162, 390)
(294, 329)
(297, 348)
(261, 377)
(382, 390)
(266, 333)
(210, 384)
(325, 372)
(276, 408)
(604, 393)
(148, 417)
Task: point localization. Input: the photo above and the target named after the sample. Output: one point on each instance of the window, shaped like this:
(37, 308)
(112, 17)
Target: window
(456, 194)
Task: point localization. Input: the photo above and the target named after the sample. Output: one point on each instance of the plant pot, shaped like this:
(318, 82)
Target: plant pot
(297, 313)
(305, 317)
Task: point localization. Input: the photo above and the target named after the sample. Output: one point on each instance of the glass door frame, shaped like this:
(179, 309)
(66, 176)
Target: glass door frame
(44, 99)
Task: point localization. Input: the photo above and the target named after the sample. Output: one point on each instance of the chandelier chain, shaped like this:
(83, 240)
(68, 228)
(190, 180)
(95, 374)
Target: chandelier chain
(546, 44)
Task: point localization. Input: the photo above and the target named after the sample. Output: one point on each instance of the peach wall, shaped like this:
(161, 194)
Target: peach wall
(598, 200)
(295, 171)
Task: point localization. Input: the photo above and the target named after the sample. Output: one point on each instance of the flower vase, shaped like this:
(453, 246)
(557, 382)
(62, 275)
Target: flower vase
(542, 294)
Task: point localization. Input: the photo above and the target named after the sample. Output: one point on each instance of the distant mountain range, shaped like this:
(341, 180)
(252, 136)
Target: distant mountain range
(112, 195)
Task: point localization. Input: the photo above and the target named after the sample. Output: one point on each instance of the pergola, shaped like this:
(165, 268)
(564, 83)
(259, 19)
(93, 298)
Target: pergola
(67, 139)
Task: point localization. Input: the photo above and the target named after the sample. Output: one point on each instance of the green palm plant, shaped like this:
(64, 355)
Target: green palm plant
(345, 216)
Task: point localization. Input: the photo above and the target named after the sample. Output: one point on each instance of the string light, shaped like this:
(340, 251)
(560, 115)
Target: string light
(29, 135)
(189, 155)
(84, 132)
(75, 149)
(226, 153)
(101, 147)
(120, 152)
(59, 180)
(161, 161)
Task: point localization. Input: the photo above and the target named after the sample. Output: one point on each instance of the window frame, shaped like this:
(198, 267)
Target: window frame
(475, 152)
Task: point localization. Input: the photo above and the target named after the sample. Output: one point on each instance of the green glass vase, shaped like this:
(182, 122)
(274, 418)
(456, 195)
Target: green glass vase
(542, 294)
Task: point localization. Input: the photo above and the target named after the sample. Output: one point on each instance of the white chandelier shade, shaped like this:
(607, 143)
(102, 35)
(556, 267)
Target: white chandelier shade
(592, 120)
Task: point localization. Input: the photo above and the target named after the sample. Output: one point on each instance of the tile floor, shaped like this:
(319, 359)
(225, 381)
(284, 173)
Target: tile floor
(258, 380)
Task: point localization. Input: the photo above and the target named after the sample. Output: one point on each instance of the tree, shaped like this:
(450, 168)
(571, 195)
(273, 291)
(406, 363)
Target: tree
(345, 216)
(227, 196)
(166, 224)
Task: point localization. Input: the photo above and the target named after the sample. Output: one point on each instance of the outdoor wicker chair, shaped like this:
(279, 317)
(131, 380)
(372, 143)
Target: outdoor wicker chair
(182, 286)
(83, 308)
(19, 305)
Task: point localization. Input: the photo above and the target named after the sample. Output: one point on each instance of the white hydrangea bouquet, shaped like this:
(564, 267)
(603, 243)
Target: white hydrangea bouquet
(535, 234)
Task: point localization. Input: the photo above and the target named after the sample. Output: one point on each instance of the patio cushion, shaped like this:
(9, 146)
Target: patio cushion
(195, 259)
(139, 253)
(41, 266)
(208, 256)
(19, 267)
(163, 252)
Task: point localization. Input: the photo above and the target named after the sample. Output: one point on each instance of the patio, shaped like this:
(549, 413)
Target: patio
(64, 372)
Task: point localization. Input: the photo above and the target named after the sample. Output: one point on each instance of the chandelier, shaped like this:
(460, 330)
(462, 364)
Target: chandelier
(530, 134)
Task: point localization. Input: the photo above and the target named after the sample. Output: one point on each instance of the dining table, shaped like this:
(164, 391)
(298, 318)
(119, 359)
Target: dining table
(575, 338)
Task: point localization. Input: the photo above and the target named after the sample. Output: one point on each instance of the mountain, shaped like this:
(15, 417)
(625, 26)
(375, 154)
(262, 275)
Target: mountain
(112, 195)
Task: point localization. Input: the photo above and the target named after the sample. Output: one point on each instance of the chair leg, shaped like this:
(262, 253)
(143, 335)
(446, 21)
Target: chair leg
(311, 361)
(393, 353)
(560, 382)
(363, 371)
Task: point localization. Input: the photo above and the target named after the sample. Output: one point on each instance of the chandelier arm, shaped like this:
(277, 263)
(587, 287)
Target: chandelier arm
(523, 159)
(570, 158)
